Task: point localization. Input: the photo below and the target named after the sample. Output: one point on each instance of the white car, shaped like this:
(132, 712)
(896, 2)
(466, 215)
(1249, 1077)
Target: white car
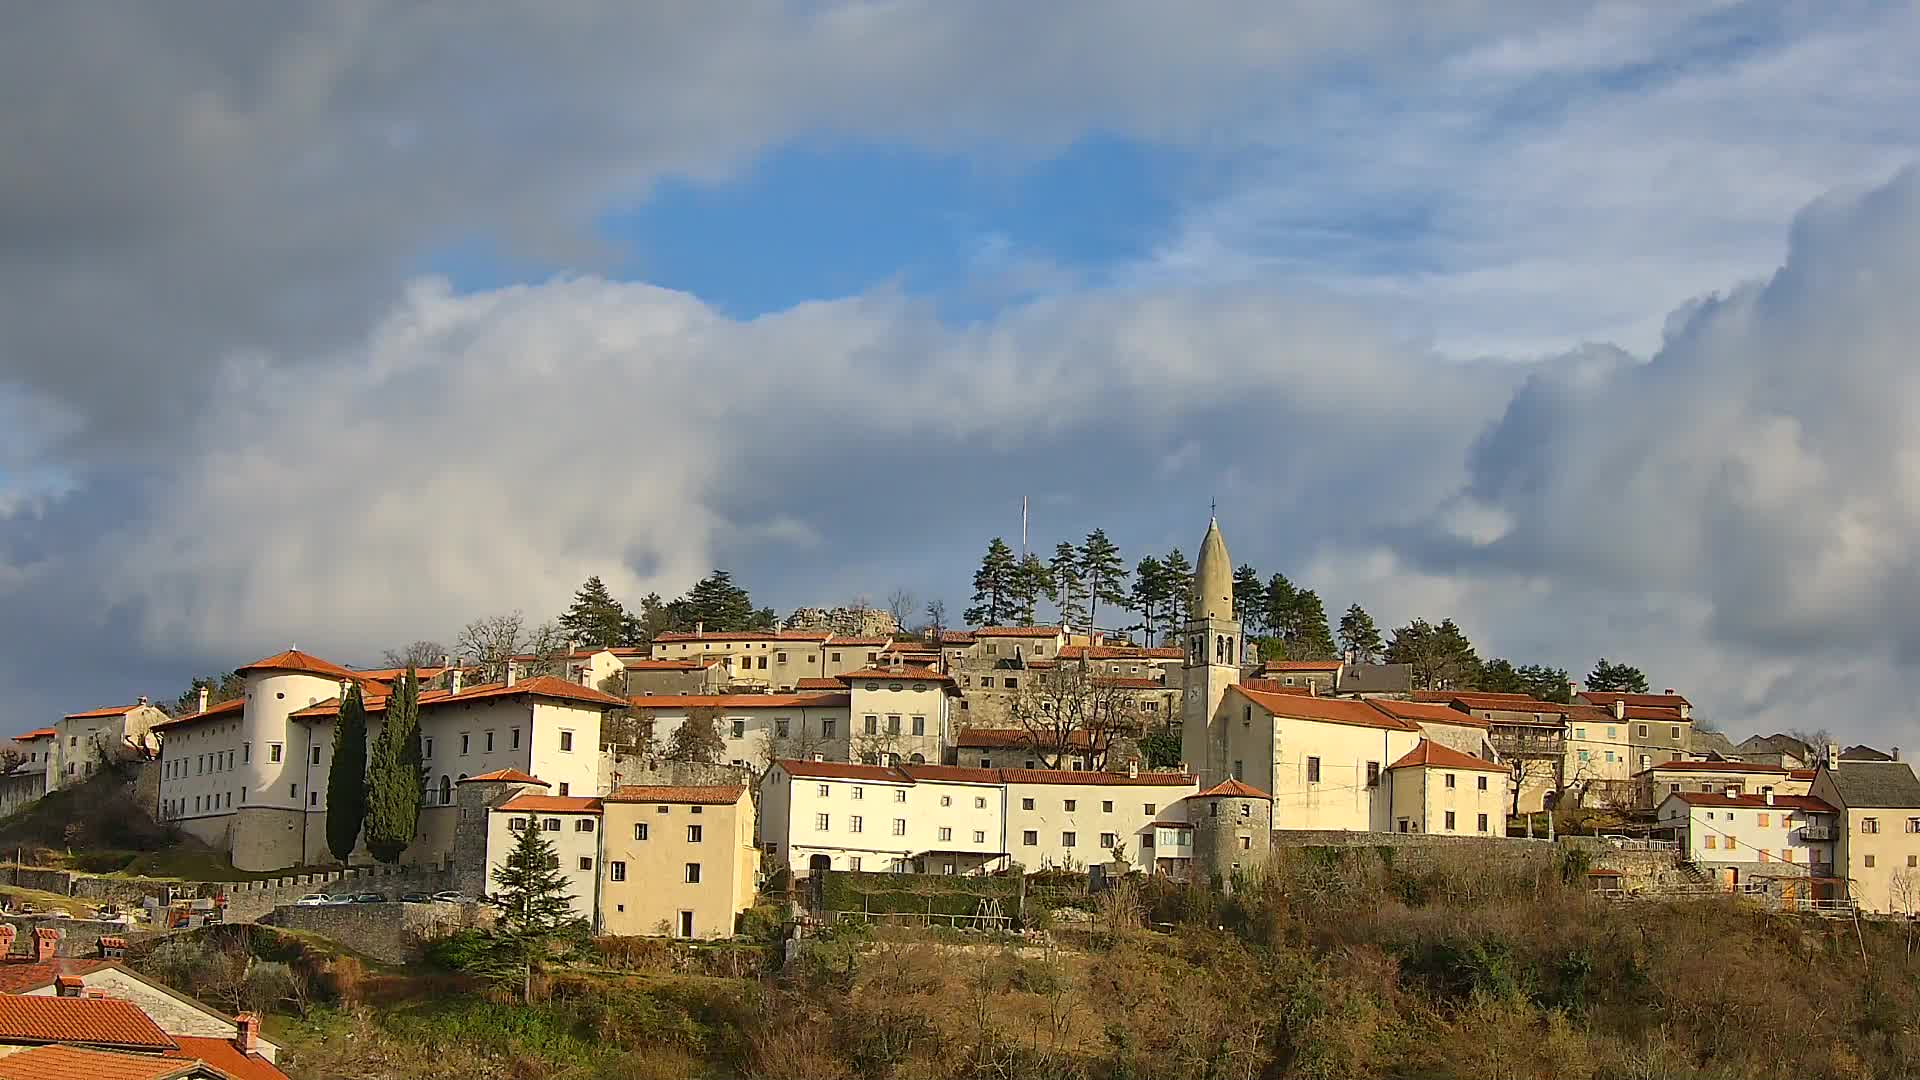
(316, 900)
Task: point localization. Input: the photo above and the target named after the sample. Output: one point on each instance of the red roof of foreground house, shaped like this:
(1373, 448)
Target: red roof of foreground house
(1327, 710)
(1474, 699)
(1120, 652)
(227, 708)
(1432, 755)
(1804, 803)
(1607, 697)
(842, 770)
(1720, 766)
(700, 795)
(505, 776)
(956, 637)
(78, 1063)
(37, 733)
(1426, 711)
(295, 660)
(1303, 665)
(816, 682)
(905, 672)
(1017, 631)
(1234, 789)
(552, 804)
(741, 701)
(546, 686)
(667, 665)
(90, 1021)
(101, 713)
(19, 975)
(952, 774)
(224, 1056)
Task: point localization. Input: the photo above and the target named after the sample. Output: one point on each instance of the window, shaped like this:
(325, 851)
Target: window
(893, 725)
(919, 725)
(566, 742)
(1675, 733)
(980, 801)
(853, 863)
(513, 738)
(273, 752)
(836, 658)
(1013, 683)
(739, 729)
(1026, 804)
(858, 793)
(316, 755)
(1643, 731)
(979, 836)
(780, 727)
(1373, 774)
(1869, 861)
(563, 787)
(828, 727)
(946, 800)
(693, 878)
(1072, 805)
(1239, 772)
(586, 862)
(639, 830)
(1579, 733)
(1612, 732)
(871, 725)
(1313, 770)
(899, 826)
(693, 834)
(1450, 779)
(1913, 860)
(1732, 843)
(293, 791)
(1483, 823)
(489, 742)
(779, 658)
(986, 682)
(899, 794)
(820, 822)
(583, 825)
(551, 824)
(616, 871)
(1913, 824)
(1109, 840)
(663, 809)
(1483, 783)
(426, 748)
(1449, 821)
(246, 752)
(1870, 825)
(1068, 839)
(466, 743)
(1762, 821)
(824, 790)
(946, 834)
(1150, 809)
(1712, 842)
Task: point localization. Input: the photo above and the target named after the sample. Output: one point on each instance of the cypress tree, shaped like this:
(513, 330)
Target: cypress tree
(395, 781)
(347, 779)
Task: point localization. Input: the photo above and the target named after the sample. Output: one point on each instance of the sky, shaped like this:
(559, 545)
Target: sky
(1589, 326)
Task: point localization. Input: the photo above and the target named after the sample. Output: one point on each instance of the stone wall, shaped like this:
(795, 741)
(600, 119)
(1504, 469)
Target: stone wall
(1416, 851)
(634, 771)
(392, 933)
(39, 878)
(251, 901)
(78, 937)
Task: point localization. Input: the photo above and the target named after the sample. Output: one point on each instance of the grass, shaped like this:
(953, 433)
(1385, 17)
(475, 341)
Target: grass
(46, 901)
(194, 862)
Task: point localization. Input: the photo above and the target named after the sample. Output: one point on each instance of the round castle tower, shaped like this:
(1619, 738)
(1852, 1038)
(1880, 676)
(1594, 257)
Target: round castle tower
(1232, 830)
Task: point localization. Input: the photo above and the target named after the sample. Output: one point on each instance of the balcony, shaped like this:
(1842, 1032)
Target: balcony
(1816, 834)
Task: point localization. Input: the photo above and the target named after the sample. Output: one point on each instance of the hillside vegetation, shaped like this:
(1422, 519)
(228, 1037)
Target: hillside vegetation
(1329, 965)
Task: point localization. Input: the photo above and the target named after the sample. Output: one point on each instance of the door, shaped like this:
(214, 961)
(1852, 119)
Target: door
(819, 862)
(686, 924)
(1729, 879)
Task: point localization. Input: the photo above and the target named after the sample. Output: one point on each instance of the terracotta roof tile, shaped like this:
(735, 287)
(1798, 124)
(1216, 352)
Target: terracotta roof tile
(905, 774)
(1234, 789)
(92, 1021)
(1274, 686)
(96, 714)
(505, 776)
(546, 686)
(1720, 766)
(1427, 711)
(19, 975)
(744, 635)
(78, 1063)
(37, 733)
(667, 665)
(227, 709)
(951, 774)
(1432, 755)
(295, 660)
(1017, 631)
(1474, 699)
(552, 804)
(1607, 697)
(1324, 709)
(816, 682)
(956, 637)
(227, 1058)
(1303, 665)
(1119, 652)
(840, 770)
(1101, 779)
(696, 795)
(905, 672)
(740, 701)
(1803, 803)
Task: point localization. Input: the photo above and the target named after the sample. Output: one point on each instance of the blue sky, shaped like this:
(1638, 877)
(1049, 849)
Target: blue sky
(345, 325)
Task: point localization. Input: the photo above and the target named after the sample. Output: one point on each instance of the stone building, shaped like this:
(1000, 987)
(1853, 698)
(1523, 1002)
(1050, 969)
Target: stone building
(1231, 826)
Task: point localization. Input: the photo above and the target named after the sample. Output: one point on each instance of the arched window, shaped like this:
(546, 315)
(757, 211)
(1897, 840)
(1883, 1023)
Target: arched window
(919, 759)
(1230, 650)
(1220, 649)
(446, 790)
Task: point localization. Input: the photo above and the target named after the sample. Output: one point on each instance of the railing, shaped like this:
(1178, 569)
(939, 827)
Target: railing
(1636, 843)
(1812, 833)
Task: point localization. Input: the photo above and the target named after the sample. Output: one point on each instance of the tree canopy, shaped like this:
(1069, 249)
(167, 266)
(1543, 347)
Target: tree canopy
(1069, 583)
(1104, 571)
(536, 911)
(1359, 636)
(347, 776)
(1616, 678)
(395, 780)
(1441, 656)
(715, 603)
(1534, 680)
(993, 587)
(596, 618)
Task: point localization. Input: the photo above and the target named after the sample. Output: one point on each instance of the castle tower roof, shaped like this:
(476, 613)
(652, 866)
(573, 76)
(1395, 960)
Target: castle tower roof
(1213, 577)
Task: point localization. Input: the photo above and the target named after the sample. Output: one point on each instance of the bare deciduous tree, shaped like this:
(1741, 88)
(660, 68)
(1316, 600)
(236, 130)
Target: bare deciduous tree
(548, 646)
(1070, 711)
(900, 604)
(417, 654)
(492, 641)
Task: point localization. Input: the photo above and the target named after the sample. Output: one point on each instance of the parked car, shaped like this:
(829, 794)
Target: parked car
(340, 898)
(415, 898)
(450, 897)
(314, 900)
(369, 898)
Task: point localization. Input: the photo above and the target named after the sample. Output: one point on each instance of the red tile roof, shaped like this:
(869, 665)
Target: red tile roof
(37, 733)
(956, 637)
(227, 1058)
(295, 660)
(78, 1063)
(905, 774)
(1607, 697)
(393, 674)
(1327, 710)
(1804, 803)
(1303, 665)
(1665, 716)
(1017, 631)
(1127, 682)
(906, 672)
(815, 682)
(1234, 789)
(952, 774)
(1802, 774)
(1720, 766)
(701, 795)
(1102, 779)
(546, 686)
(740, 701)
(1119, 652)
(668, 665)
(19, 975)
(1273, 686)
(505, 776)
(1474, 699)
(227, 709)
(1432, 755)
(91, 1021)
(1426, 711)
(861, 641)
(552, 804)
(95, 714)
(841, 770)
(1449, 695)
(745, 635)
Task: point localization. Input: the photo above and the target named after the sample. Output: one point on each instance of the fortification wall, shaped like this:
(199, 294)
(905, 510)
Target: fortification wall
(393, 933)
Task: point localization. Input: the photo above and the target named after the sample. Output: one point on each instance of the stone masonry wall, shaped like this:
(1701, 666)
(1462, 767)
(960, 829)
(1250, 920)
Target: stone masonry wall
(1416, 851)
(392, 933)
(251, 901)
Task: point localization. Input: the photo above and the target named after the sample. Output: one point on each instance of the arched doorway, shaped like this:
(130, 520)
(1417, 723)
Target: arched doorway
(819, 862)
(919, 759)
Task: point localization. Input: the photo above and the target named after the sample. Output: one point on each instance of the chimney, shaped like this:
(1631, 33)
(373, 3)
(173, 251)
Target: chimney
(511, 673)
(1768, 792)
(1619, 709)
(1573, 689)
(69, 986)
(1133, 769)
(345, 687)
(1670, 691)
(46, 942)
(203, 699)
(1833, 755)
(456, 676)
(699, 628)
(142, 700)
(246, 1032)
(1896, 753)
(7, 933)
(586, 675)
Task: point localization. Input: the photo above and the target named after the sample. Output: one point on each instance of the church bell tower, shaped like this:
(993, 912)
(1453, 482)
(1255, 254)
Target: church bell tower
(1213, 644)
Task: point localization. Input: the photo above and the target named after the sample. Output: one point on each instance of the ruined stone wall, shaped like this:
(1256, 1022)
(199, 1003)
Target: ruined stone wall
(393, 933)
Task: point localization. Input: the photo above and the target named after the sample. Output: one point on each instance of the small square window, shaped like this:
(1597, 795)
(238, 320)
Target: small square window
(566, 742)
(820, 822)
(586, 862)
(617, 871)
(1068, 839)
(1106, 806)
(639, 830)
(693, 873)
(694, 833)
(1029, 838)
(1071, 804)
(1026, 804)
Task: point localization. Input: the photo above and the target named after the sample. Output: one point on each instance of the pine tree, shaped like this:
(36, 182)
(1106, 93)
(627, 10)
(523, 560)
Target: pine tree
(1359, 636)
(1031, 581)
(596, 618)
(717, 604)
(347, 777)
(1616, 678)
(1546, 683)
(1249, 600)
(655, 619)
(1105, 573)
(535, 906)
(1069, 585)
(1441, 656)
(1179, 589)
(1281, 614)
(395, 781)
(993, 587)
(1150, 593)
(1314, 641)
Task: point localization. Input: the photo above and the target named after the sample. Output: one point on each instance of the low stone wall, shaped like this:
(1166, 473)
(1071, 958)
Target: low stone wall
(39, 878)
(634, 771)
(391, 933)
(251, 901)
(78, 937)
(1417, 851)
(1638, 870)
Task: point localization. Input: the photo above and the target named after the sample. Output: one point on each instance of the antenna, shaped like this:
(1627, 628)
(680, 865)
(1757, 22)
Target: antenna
(1023, 528)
